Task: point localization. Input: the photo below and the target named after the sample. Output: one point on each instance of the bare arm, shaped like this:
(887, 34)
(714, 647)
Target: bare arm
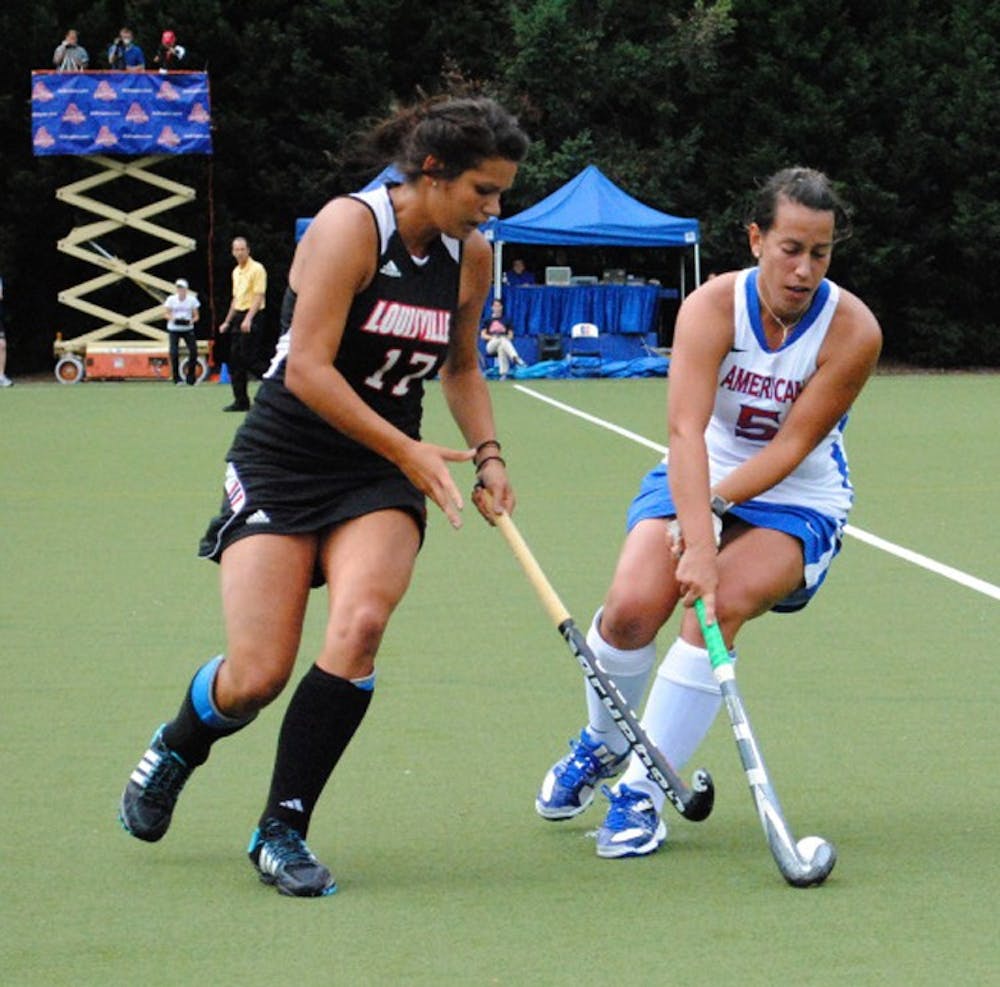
(702, 336)
(224, 325)
(462, 382)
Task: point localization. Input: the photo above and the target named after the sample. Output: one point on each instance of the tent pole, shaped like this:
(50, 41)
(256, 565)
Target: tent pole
(498, 269)
(697, 265)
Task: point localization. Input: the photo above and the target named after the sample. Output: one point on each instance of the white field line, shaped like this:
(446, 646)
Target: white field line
(906, 554)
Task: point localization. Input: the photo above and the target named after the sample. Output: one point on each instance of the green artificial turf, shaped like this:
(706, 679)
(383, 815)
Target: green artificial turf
(875, 708)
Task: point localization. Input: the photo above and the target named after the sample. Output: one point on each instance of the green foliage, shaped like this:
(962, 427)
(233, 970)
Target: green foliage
(686, 104)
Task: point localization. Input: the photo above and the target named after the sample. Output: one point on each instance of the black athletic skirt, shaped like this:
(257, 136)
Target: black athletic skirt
(267, 499)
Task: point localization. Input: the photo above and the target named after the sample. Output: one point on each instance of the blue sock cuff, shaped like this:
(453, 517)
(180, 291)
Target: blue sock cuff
(367, 684)
(203, 700)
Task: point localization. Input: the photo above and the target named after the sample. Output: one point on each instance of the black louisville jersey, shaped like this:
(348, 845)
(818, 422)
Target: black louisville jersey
(396, 336)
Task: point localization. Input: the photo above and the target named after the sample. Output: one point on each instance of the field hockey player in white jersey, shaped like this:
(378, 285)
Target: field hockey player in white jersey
(747, 511)
(328, 476)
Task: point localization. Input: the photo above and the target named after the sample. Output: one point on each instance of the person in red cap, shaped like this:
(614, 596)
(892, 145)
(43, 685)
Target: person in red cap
(169, 54)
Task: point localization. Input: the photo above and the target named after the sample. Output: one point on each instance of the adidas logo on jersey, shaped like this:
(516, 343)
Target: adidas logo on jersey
(390, 270)
(259, 517)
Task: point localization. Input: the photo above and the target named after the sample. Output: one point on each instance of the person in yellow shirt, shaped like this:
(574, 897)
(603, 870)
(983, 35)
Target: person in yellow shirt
(244, 322)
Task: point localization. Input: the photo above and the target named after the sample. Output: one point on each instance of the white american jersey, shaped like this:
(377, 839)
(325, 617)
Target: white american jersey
(757, 387)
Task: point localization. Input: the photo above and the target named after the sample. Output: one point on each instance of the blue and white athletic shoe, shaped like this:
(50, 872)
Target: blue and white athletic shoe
(283, 860)
(148, 801)
(568, 788)
(631, 828)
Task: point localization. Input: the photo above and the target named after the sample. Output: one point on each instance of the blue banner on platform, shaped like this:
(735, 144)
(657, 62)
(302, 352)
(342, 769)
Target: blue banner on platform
(120, 113)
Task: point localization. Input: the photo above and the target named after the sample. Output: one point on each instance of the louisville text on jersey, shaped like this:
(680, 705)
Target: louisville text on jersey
(409, 322)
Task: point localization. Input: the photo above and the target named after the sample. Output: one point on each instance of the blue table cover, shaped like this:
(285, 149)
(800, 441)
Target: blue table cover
(613, 308)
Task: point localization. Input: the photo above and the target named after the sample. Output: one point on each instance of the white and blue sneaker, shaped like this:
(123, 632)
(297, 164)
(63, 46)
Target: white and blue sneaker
(631, 828)
(568, 788)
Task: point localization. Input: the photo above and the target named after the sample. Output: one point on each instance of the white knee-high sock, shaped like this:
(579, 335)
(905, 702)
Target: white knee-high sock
(629, 670)
(682, 705)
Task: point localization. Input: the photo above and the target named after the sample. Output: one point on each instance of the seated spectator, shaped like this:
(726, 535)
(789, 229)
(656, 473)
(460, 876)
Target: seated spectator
(170, 54)
(499, 337)
(518, 275)
(125, 54)
(70, 55)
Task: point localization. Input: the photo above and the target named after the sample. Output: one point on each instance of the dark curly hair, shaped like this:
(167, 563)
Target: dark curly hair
(457, 132)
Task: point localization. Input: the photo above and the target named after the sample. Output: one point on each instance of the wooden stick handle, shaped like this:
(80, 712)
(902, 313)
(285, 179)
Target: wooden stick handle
(549, 597)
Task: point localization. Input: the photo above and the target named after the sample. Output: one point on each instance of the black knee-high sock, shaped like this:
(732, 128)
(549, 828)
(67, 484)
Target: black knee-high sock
(198, 723)
(319, 723)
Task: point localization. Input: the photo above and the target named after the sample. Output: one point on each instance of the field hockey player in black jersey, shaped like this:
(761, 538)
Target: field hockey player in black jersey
(327, 478)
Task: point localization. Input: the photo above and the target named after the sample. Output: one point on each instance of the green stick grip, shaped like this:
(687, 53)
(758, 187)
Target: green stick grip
(718, 653)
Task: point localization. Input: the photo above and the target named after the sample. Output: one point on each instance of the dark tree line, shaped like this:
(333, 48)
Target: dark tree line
(684, 104)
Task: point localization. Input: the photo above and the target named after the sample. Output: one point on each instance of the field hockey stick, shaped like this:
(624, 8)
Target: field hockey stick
(811, 859)
(694, 803)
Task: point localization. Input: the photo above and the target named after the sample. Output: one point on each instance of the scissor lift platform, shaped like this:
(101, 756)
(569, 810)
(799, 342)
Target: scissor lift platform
(112, 351)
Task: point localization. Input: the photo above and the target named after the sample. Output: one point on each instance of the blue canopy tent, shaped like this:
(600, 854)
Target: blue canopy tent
(590, 210)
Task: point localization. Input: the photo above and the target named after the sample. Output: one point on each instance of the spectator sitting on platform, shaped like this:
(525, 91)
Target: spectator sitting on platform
(125, 54)
(170, 54)
(70, 55)
(518, 275)
(499, 337)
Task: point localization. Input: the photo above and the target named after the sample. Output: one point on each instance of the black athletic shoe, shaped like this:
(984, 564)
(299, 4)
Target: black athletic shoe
(237, 406)
(283, 859)
(151, 793)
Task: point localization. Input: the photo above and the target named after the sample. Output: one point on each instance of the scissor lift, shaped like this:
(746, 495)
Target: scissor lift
(103, 353)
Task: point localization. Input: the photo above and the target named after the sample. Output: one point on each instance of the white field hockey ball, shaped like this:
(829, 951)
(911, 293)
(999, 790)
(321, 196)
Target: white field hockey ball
(808, 846)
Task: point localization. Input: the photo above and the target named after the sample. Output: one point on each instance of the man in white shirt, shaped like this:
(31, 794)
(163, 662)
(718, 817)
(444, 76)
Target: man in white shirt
(182, 314)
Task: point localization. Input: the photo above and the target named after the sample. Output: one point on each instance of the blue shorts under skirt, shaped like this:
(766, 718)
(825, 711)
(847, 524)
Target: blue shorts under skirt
(819, 534)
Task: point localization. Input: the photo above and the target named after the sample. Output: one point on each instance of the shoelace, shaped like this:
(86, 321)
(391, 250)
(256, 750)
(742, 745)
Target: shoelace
(585, 765)
(625, 808)
(167, 778)
(288, 847)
